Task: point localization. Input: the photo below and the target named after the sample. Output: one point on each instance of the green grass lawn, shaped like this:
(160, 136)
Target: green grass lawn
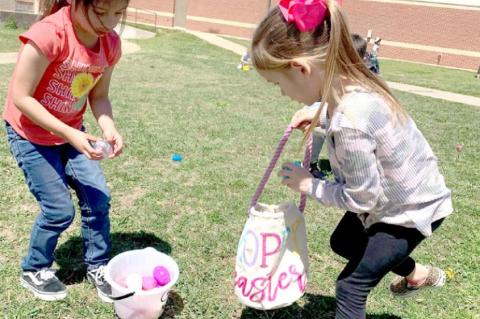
(9, 38)
(458, 81)
(181, 95)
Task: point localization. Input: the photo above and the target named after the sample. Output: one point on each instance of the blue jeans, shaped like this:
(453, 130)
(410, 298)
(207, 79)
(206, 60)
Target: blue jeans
(49, 172)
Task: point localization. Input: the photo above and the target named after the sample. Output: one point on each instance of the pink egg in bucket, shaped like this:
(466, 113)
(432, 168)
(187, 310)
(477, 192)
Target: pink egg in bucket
(149, 301)
(148, 282)
(161, 275)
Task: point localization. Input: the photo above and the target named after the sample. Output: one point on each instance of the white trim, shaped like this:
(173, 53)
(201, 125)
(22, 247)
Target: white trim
(41, 295)
(435, 4)
(196, 18)
(222, 22)
(151, 12)
(431, 48)
(467, 3)
(235, 37)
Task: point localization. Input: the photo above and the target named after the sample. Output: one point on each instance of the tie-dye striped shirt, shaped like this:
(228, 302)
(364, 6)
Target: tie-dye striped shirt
(385, 172)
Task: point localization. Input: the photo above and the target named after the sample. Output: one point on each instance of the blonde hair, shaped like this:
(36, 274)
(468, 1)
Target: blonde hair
(276, 43)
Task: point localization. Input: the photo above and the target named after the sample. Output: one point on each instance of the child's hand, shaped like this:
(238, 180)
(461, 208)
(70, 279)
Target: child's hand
(302, 118)
(115, 139)
(82, 142)
(297, 178)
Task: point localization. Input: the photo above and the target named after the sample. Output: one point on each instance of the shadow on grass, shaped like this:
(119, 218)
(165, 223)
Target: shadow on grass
(69, 256)
(173, 307)
(316, 307)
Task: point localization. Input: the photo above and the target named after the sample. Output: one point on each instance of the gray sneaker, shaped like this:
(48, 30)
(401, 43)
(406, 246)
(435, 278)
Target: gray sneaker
(402, 289)
(97, 278)
(44, 284)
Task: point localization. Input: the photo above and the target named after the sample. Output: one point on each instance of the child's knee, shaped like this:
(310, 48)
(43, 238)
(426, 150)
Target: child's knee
(58, 217)
(98, 205)
(338, 245)
(350, 291)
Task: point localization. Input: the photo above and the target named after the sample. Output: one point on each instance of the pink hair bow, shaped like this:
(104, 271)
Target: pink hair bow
(307, 14)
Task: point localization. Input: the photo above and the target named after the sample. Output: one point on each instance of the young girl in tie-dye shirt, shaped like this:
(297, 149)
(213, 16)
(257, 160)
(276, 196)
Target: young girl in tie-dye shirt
(386, 176)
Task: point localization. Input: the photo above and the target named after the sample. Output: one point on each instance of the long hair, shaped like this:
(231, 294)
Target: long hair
(49, 7)
(276, 43)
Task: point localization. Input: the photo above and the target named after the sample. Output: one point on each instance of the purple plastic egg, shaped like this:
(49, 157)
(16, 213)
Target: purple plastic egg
(148, 283)
(161, 275)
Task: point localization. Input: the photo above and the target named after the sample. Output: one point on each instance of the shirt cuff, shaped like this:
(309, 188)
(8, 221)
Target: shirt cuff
(317, 189)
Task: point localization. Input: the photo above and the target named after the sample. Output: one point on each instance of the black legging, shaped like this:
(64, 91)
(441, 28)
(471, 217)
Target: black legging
(371, 254)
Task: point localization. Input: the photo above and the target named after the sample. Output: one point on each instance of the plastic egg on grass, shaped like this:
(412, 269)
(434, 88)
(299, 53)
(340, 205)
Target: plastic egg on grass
(177, 157)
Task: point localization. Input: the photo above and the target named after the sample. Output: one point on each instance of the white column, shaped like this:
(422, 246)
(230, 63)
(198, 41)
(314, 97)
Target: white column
(36, 6)
(180, 19)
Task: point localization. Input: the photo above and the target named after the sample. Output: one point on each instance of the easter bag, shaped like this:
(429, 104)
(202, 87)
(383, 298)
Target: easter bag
(272, 258)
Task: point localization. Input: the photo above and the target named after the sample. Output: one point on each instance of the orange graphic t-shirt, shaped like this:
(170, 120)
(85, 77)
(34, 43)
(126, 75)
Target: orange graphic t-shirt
(72, 73)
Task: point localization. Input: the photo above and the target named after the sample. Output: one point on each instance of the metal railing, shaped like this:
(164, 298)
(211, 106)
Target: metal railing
(155, 14)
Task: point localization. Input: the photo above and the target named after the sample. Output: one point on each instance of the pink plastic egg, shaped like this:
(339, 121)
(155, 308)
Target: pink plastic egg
(148, 283)
(161, 275)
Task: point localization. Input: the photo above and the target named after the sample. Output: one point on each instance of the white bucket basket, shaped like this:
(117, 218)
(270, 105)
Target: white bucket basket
(147, 304)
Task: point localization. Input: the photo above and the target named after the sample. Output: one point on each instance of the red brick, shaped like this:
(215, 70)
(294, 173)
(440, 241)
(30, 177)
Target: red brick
(157, 5)
(247, 11)
(429, 57)
(423, 25)
(442, 27)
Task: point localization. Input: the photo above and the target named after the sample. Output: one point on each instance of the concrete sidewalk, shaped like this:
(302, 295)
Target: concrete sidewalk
(220, 42)
(125, 31)
(11, 57)
(436, 94)
(8, 57)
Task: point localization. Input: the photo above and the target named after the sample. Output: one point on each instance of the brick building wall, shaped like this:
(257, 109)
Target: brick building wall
(18, 5)
(421, 32)
(426, 30)
(7, 5)
(443, 28)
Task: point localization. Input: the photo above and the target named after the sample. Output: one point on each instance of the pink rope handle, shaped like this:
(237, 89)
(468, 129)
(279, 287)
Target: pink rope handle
(273, 163)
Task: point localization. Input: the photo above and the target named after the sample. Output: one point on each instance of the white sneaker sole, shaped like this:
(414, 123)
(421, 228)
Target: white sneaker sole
(103, 297)
(42, 295)
(441, 280)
